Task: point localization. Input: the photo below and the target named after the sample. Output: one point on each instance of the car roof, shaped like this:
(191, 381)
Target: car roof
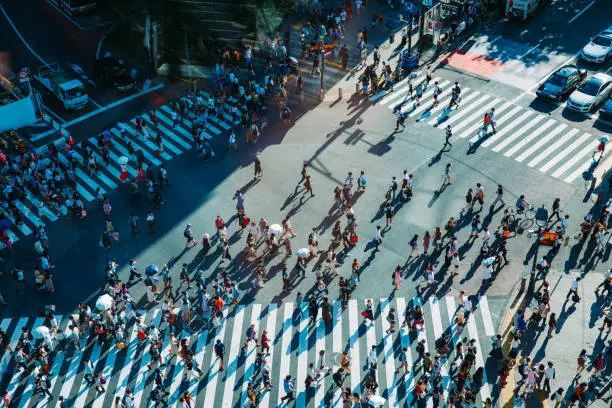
(566, 70)
(601, 77)
(607, 32)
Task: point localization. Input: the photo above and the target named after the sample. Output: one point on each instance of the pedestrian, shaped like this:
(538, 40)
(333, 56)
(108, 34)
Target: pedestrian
(308, 186)
(390, 321)
(446, 180)
(552, 324)
(479, 197)
(399, 119)
(220, 353)
(133, 221)
(258, 170)
(485, 125)
(436, 93)
(368, 313)
(389, 212)
(403, 360)
(557, 397)
(573, 291)
(449, 134)
(414, 245)
(492, 119)
(289, 388)
(499, 197)
(397, 277)
(378, 237)
(582, 362)
(188, 234)
(549, 375)
(426, 240)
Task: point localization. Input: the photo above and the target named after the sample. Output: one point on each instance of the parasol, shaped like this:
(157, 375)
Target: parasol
(151, 269)
(40, 332)
(104, 302)
(377, 401)
(302, 252)
(123, 160)
(276, 229)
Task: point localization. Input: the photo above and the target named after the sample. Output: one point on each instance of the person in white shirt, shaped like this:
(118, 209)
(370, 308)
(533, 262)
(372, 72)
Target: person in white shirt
(372, 359)
(321, 367)
(232, 141)
(574, 290)
(378, 237)
(549, 374)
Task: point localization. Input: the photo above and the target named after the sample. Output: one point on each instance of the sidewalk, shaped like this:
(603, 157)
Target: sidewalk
(577, 328)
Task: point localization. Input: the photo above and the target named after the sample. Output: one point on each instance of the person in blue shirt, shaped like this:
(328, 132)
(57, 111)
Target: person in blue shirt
(521, 204)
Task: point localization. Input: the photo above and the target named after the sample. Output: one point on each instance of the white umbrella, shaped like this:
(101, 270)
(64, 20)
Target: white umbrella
(302, 252)
(123, 160)
(40, 332)
(276, 229)
(104, 302)
(376, 401)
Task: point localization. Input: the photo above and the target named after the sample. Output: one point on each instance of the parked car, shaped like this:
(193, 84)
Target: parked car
(591, 93)
(599, 48)
(114, 74)
(562, 82)
(606, 110)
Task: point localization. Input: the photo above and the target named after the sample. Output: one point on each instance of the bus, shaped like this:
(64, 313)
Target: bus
(74, 7)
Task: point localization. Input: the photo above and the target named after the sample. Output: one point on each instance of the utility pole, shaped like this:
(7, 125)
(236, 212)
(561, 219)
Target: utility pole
(421, 27)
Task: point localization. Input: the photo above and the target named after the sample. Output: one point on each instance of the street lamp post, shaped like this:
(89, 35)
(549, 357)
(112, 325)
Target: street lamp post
(322, 62)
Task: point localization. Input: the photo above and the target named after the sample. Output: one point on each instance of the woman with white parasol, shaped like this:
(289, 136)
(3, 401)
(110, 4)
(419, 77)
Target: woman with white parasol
(123, 161)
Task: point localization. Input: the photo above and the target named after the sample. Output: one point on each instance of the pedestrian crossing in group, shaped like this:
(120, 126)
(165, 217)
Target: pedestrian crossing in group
(295, 342)
(523, 135)
(176, 141)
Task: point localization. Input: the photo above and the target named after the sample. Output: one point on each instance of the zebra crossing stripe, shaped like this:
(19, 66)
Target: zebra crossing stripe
(450, 310)
(502, 132)
(354, 345)
(371, 338)
(219, 122)
(169, 122)
(172, 135)
(27, 392)
(302, 360)
(250, 356)
(140, 140)
(111, 169)
(434, 307)
(337, 346)
(99, 174)
(515, 135)
(232, 366)
(483, 305)
(113, 156)
(107, 372)
(141, 374)
(389, 97)
(568, 150)
(425, 102)
(548, 151)
(468, 96)
(578, 172)
(477, 126)
(178, 373)
(475, 119)
(529, 138)
(387, 350)
(30, 215)
(271, 328)
(541, 142)
(136, 143)
(421, 334)
(199, 360)
(405, 343)
(43, 402)
(285, 348)
(83, 389)
(444, 104)
(424, 96)
(504, 117)
(6, 358)
(576, 158)
(213, 377)
(319, 398)
(471, 325)
(122, 382)
(466, 109)
(431, 110)
(72, 372)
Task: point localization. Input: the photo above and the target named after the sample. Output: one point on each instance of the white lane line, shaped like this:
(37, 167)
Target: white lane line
(529, 138)
(546, 153)
(95, 103)
(319, 397)
(353, 325)
(473, 332)
(285, 351)
(444, 115)
(271, 328)
(388, 359)
(232, 366)
(493, 138)
(581, 12)
(336, 346)
(517, 134)
(568, 150)
(211, 379)
(581, 155)
(505, 116)
(483, 305)
(302, 361)
(249, 363)
(541, 142)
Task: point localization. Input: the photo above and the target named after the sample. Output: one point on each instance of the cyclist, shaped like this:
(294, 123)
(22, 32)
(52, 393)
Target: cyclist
(521, 204)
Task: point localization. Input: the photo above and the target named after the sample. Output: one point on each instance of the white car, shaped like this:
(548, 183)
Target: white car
(591, 93)
(599, 48)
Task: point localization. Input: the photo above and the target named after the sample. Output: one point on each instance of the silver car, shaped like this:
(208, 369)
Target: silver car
(599, 48)
(591, 93)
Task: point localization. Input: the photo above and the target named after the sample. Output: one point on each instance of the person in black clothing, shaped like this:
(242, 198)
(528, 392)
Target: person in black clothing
(556, 209)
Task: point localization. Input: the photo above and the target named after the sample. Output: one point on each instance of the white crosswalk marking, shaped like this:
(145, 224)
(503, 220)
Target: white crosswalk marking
(320, 345)
(105, 180)
(504, 117)
(399, 89)
(215, 364)
(132, 346)
(550, 149)
(232, 360)
(425, 105)
(529, 138)
(337, 346)
(477, 126)
(580, 155)
(271, 327)
(408, 377)
(568, 150)
(443, 118)
(353, 345)
(517, 134)
(471, 325)
(6, 358)
(537, 145)
(302, 362)
(483, 305)
(142, 143)
(426, 94)
(387, 353)
(251, 352)
(443, 105)
(474, 119)
(284, 353)
(502, 132)
(199, 360)
(27, 392)
(371, 339)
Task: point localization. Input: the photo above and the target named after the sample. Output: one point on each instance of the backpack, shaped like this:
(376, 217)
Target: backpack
(186, 234)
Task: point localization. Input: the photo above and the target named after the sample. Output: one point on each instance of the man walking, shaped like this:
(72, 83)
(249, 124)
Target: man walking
(573, 291)
(220, 353)
(449, 134)
(289, 387)
(378, 237)
(549, 375)
(492, 119)
(400, 118)
(499, 197)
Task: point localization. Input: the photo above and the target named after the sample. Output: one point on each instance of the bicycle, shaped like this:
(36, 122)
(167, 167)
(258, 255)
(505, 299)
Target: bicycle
(529, 213)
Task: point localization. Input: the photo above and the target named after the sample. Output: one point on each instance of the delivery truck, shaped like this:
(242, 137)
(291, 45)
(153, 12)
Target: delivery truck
(68, 90)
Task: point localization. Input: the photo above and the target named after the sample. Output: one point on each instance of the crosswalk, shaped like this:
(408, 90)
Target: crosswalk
(176, 140)
(524, 135)
(295, 340)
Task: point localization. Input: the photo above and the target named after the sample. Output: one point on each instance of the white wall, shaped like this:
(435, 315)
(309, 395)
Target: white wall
(17, 114)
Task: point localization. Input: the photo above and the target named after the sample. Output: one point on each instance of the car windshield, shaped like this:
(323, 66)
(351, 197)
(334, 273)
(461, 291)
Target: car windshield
(603, 41)
(557, 80)
(591, 87)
